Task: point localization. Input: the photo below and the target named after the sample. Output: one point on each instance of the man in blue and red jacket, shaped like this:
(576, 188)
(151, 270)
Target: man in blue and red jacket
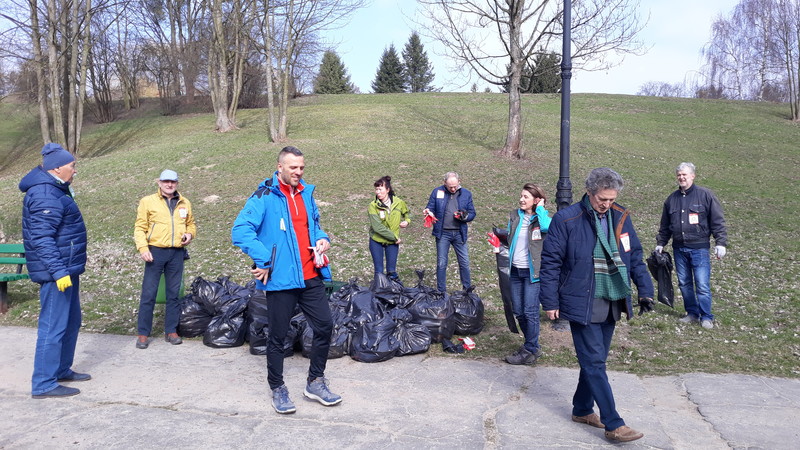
(589, 258)
(55, 248)
(279, 229)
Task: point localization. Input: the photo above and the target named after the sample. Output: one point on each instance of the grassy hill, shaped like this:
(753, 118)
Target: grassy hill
(746, 152)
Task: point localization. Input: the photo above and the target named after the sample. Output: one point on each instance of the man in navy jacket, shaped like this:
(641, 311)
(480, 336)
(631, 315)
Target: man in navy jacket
(55, 248)
(450, 205)
(590, 255)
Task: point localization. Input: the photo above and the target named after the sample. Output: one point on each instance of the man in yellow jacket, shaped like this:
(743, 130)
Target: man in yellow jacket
(164, 227)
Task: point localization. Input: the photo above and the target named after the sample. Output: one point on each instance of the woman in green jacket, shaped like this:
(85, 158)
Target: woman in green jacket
(387, 214)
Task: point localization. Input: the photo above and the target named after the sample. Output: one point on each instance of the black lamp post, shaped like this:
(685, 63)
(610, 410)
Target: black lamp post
(564, 186)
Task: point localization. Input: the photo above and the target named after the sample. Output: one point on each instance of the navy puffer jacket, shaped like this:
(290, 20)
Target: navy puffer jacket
(52, 228)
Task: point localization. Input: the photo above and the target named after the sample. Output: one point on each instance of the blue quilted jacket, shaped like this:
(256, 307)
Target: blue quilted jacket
(52, 228)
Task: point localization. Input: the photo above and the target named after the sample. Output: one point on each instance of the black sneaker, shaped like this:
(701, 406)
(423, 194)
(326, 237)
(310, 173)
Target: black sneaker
(522, 357)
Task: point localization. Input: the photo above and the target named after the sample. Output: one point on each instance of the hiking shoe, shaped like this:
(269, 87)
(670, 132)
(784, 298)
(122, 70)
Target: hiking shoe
(173, 338)
(624, 434)
(281, 401)
(590, 419)
(707, 324)
(142, 342)
(317, 389)
(522, 357)
(58, 391)
(689, 319)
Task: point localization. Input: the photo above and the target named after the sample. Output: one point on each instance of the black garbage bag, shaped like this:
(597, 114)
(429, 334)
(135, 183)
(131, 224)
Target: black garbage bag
(194, 318)
(412, 338)
(374, 341)
(340, 337)
(434, 310)
(468, 311)
(365, 307)
(258, 323)
(504, 278)
(227, 329)
(207, 293)
(389, 292)
(660, 266)
(341, 299)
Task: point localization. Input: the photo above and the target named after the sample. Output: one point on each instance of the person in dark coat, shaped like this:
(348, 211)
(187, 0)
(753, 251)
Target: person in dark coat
(54, 236)
(589, 258)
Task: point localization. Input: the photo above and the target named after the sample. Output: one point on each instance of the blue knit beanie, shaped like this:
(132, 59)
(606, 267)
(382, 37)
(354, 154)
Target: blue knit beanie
(54, 155)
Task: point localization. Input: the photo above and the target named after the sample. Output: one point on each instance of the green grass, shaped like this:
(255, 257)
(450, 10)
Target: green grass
(746, 152)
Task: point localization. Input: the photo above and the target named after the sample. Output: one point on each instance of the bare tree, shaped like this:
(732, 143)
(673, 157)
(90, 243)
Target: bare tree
(227, 55)
(754, 53)
(290, 29)
(496, 39)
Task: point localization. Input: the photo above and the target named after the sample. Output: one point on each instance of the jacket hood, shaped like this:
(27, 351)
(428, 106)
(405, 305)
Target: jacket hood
(40, 176)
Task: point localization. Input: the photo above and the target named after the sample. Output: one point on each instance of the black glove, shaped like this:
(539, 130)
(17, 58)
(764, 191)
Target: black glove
(461, 214)
(645, 305)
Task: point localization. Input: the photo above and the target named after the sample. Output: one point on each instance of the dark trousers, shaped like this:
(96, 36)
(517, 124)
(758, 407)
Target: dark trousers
(168, 261)
(59, 323)
(592, 342)
(280, 309)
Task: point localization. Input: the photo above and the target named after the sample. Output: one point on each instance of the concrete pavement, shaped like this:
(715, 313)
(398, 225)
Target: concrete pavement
(193, 396)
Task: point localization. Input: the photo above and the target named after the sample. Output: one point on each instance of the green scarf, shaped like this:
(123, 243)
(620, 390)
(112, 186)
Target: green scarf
(610, 273)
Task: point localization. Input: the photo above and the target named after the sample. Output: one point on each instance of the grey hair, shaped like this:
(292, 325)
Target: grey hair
(685, 166)
(603, 178)
(449, 175)
(289, 150)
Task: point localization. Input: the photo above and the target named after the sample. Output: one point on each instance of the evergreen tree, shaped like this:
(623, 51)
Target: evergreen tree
(332, 77)
(543, 76)
(418, 71)
(389, 78)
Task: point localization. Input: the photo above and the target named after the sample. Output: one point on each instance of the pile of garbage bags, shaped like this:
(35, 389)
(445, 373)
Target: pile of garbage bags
(370, 323)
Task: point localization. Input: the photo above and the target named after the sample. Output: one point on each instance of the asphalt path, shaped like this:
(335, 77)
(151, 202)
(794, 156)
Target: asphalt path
(193, 396)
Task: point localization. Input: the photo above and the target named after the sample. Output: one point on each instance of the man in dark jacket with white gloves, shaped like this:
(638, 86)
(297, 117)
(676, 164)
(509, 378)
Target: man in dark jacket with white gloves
(590, 255)
(55, 248)
(690, 216)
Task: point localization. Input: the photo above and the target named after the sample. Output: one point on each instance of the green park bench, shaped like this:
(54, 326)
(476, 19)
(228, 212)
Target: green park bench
(18, 250)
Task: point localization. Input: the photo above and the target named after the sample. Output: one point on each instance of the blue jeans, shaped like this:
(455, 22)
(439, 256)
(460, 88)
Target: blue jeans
(59, 323)
(525, 305)
(451, 237)
(280, 309)
(693, 267)
(592, 342)
(168, 261)
(378, 250)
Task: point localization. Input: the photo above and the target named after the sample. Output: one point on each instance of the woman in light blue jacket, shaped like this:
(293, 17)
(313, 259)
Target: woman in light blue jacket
(527, 226)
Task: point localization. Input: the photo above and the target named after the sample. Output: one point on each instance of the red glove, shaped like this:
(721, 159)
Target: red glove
(493, 239)
(430, 220)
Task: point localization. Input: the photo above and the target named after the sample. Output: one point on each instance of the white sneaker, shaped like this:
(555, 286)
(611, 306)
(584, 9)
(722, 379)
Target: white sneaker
(688, 319)
(707, 324)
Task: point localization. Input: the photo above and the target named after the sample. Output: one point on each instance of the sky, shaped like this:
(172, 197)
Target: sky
(675, 35)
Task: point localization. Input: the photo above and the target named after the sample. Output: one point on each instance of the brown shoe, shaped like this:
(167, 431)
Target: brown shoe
(624, 434)
(142, 342)
(173, 338)
(590, 419)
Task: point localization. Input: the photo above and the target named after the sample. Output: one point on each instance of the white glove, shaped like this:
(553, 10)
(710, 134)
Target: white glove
(659, 248)
(720, 251)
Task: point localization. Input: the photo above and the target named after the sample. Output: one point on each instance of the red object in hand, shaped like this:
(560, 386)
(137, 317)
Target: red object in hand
(493, 239)
(429, 220)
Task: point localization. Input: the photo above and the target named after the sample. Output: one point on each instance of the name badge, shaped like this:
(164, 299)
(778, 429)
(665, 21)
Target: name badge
(383, 215)
(625, 240)
(536, 234)
(694, 218)
(440, 194)
(183, 213)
